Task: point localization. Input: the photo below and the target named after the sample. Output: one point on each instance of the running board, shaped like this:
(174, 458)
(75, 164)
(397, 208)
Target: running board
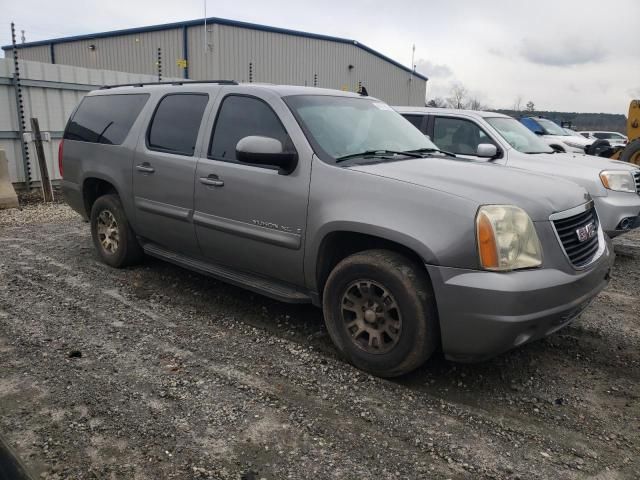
(270, 288)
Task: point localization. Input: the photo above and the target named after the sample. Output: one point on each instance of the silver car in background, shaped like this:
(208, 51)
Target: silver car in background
(487, 136)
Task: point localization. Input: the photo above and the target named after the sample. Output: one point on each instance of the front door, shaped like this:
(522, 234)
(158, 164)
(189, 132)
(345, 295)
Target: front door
(459, 136)
(163, 172)
(251, 217)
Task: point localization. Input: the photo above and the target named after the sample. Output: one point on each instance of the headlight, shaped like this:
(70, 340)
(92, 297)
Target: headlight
(507, 239)
(619, 181)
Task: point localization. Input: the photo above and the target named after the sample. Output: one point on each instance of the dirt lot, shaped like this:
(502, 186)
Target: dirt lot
(154, 372)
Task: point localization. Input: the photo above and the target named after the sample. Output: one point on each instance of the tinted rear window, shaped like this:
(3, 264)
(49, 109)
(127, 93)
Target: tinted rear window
(105, 118)
(176, 122)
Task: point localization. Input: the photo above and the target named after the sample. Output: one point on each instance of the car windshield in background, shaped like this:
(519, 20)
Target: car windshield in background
(342, 126)
(518, 136)
(551, 127)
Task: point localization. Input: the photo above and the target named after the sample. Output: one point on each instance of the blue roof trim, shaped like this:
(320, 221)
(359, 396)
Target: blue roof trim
(219, 21)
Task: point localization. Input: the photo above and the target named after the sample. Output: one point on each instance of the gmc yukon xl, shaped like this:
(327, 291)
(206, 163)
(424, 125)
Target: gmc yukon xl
(333, 198)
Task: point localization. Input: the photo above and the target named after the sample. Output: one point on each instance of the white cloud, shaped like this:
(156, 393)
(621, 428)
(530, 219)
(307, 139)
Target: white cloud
(543, 51)
(562, 53)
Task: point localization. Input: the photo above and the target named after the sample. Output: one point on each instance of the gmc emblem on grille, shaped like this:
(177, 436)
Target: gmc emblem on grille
(587, 232)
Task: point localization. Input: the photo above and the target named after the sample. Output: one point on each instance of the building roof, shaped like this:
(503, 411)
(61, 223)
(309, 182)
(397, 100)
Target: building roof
(219, 21)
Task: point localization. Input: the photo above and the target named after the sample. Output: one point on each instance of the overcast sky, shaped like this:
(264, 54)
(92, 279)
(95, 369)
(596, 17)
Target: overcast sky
(566, 55)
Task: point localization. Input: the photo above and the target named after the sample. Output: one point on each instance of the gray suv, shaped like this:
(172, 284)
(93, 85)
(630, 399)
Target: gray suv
(332, 198)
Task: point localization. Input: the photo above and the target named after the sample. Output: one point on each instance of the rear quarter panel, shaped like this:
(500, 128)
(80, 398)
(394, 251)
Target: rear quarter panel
(111, 163)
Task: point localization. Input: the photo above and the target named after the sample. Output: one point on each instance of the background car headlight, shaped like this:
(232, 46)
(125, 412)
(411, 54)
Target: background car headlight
(619, 181)
(507, 239)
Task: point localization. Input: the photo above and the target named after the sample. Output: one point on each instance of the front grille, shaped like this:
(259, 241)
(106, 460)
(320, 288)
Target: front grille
(636, 175)
(579, 253)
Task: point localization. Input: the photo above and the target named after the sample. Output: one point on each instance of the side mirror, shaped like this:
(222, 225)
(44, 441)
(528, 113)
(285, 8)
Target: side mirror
(538, 132)
(266, 151)
(487, 150)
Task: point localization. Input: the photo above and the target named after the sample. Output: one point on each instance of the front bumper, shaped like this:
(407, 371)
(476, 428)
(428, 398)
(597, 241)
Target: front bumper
(616, 207)
(483, 314)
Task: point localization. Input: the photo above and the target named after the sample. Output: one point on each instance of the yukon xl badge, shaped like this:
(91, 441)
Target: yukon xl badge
(587, 232)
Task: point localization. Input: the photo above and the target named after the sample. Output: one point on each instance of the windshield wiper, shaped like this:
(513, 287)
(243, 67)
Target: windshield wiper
(377, 153)
(431, 150)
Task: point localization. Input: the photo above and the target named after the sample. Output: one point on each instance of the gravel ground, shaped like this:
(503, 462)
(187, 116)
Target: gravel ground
(155, 372)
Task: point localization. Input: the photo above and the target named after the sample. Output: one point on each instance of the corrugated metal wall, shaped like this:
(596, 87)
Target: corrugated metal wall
(50, 93)
(278, 58)
(125, 53)
(275, 58)
(40, 53)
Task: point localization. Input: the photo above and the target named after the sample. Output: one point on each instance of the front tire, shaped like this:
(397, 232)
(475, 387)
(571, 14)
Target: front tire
(380, 312)
(113, 237)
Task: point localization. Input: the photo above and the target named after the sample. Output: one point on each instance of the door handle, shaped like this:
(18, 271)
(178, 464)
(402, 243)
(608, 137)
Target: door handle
(212, 180)
(145, 168)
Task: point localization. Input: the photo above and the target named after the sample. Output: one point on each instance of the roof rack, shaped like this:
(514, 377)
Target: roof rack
(177, 82)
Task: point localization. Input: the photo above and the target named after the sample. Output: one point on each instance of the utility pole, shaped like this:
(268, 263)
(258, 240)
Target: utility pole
(413, 68)
(205, 47)
(22, 126)
(159, 64)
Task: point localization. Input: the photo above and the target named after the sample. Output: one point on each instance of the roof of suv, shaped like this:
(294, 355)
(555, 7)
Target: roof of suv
(469, 113)
(281, 90)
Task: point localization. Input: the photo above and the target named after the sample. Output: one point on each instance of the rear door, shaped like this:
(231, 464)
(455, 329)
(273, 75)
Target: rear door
(164, 169)
(250, 217)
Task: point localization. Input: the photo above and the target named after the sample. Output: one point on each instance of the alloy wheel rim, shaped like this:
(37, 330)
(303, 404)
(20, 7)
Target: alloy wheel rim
(108, 232)
(371, 316)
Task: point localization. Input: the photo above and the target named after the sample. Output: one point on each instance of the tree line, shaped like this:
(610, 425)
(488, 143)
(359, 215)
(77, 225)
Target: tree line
(461, 98)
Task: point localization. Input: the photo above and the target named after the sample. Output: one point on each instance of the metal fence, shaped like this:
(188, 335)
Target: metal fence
(49, 93)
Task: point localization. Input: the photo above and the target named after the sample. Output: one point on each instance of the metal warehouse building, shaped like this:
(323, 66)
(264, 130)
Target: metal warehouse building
(227, 49)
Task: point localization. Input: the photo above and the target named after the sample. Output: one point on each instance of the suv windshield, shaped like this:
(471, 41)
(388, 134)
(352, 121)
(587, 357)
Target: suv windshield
(551, 127)
(341, 126)
(518, 136)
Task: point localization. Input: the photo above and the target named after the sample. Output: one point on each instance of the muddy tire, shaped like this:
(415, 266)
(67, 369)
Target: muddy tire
(380, 312)
(113, 238)
(631, 153)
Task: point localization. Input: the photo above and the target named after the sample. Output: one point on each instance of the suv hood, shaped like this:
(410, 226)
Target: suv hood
(580, 168)
(485, 183)
(571, 139)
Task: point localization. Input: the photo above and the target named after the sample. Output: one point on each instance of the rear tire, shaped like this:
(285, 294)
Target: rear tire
(380, 312)
(631, 153)
(113, 237)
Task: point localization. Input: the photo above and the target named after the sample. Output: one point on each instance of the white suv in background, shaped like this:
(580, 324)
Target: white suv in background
(555, 136)
(493, 137)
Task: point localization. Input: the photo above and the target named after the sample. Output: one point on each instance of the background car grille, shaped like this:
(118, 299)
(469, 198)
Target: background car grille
(579, 253)
(636, 175)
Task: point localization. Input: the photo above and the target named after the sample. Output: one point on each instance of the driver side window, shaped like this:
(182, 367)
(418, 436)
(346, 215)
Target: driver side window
(241, 116)
(458, 136)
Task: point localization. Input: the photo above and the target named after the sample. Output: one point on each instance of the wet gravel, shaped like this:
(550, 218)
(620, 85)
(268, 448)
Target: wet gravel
(155, 372)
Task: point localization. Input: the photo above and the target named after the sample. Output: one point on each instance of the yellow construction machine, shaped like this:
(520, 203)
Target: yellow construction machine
(631, 152)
